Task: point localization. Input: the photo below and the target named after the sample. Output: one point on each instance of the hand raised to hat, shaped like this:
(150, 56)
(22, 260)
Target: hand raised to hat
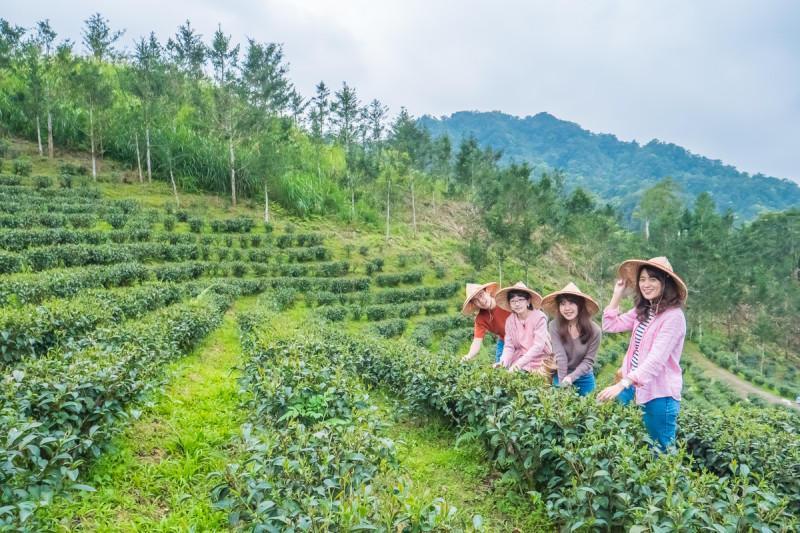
(619, 289)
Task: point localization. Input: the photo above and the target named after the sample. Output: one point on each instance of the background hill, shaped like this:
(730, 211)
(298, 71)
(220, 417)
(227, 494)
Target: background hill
(617, 171)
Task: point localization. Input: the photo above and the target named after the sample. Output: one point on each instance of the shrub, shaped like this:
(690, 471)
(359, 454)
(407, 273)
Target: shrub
(66, 181)
(117, 219)
(435, 308)
(23, 166)
(183, 215)
(169, 223)
(196, 225)
(439, 271)
(43, 182)
(268, 227)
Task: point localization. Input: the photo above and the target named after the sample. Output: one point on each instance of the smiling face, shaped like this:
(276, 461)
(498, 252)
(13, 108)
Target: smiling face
(569, 310)
(650, 286)
(519, 302)
(482, 300)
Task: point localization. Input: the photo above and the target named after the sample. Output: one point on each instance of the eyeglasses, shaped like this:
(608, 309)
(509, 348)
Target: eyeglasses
(518, 300)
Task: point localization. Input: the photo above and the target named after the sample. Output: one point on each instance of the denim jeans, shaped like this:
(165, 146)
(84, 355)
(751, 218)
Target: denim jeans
(499, 351)
(660, 417)
(584, 384)
(627, 396)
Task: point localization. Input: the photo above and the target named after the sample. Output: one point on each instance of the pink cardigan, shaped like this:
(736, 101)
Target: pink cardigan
(527, 345)
(659, 373)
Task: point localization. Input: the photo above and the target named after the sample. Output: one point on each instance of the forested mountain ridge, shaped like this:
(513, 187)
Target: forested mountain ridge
(617, 171)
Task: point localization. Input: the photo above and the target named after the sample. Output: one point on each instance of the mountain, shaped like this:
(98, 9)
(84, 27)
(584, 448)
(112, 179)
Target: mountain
(618, 172)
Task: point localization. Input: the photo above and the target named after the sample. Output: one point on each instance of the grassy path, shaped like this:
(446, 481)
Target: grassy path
(463, 475)
(156, 477)
(738, 384)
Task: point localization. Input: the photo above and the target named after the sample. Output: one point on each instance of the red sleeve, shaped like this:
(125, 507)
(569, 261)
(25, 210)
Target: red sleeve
(480, 325)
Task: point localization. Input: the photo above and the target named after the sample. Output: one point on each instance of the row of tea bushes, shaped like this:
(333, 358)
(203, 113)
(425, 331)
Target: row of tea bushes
(587, 461)
(315, 456)
(60, 409)
(32, 330)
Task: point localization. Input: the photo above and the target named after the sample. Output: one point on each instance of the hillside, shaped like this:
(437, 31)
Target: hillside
(616, 171)
(123, 315)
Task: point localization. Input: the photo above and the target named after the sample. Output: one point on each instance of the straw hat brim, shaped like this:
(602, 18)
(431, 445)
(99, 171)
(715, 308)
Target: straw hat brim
(629, 269)
(502, 297)
(470, 308)
(550, 302)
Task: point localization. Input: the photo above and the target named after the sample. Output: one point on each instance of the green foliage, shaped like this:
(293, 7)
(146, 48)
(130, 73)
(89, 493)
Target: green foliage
(23, 166)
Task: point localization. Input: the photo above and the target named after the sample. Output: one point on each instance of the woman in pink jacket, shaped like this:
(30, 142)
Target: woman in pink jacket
(651, 365)
(527, 346)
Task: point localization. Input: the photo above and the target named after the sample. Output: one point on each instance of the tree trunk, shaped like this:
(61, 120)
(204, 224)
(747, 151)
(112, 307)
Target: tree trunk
(39, 135)
(50, 134)
(388, 188)
(433, 201)
(352, 196)
(138, 158)
(413, 207)
(233, 172)
(647, 229)
(91, 136)
(762, 359)
(174, 189)
(266, 204)
(700, 327)
(149, 167)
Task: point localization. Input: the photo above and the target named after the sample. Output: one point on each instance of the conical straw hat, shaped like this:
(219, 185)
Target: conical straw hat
(502, 296)
(550, 303)
(628, 271)
(472, 289)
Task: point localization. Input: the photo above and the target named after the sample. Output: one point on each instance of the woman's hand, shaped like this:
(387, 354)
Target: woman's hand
(513, 368)
(566, 382)
(619, 289)
(609, 393)
(497, 364)
(467, 357)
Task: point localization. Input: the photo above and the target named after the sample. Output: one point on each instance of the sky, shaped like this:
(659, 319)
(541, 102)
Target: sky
(720, 78)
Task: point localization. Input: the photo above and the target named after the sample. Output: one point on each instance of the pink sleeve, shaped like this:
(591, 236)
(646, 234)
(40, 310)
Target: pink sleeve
(508, 347)
(671, 333)
(540, 342)
(613, 323)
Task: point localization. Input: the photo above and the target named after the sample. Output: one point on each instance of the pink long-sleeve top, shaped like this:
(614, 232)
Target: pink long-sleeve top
(526, 344)
(659, 373)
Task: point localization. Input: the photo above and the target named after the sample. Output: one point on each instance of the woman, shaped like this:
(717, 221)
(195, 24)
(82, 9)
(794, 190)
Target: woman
(490, 318)
(651, 365)
(527, 346)
(574, 336)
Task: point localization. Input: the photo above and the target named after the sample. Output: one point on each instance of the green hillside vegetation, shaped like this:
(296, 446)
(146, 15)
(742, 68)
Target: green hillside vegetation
(339, 243)
(615, 171)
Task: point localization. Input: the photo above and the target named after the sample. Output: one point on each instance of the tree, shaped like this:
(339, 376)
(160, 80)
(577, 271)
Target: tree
(98, 38)
(346, 118)
(224, 59)
(10, 42)
(264, 78)
(320, 110)
(33, 74)
(188, 50)
(660, 210)
(46, 38)
(148, 85)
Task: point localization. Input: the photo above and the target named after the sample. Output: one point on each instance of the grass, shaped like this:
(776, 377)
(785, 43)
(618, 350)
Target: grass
(156, 476)
(462, 474)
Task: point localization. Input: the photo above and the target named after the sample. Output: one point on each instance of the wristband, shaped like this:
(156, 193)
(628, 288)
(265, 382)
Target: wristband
(625, 382)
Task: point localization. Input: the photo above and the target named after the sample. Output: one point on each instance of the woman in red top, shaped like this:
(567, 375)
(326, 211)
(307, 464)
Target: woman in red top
(490, 318)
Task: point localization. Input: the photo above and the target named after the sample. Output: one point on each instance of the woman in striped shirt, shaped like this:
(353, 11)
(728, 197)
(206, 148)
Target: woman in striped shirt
(652, 363)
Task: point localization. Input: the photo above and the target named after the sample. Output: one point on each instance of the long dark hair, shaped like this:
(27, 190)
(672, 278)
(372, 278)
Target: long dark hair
(584, 321)
(670, 298)
(524, 294)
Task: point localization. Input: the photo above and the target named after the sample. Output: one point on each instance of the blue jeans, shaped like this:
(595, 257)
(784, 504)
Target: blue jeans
(627, 396)
(584, 384)
(499, 352)
(660, 417)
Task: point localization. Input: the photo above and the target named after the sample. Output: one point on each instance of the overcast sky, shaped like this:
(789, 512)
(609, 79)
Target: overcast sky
(720, 78)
